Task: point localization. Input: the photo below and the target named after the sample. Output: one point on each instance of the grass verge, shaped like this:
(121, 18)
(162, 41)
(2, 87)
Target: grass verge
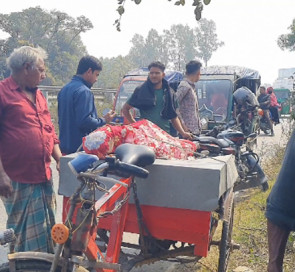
(250, 230)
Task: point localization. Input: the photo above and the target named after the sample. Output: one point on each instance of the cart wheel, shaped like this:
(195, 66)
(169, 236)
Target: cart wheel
(225, 246)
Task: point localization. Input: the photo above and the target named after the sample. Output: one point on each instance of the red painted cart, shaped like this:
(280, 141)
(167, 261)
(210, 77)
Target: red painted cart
(180, 201)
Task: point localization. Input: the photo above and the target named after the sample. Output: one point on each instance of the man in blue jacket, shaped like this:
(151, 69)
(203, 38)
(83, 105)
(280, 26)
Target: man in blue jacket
(77, 115)
(280, 210)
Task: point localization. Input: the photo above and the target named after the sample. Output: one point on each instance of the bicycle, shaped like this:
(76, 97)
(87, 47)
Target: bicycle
(7, 236)
(76, 248)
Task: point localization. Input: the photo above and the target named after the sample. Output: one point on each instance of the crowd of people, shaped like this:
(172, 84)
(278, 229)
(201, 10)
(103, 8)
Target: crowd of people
(269, 104)
(28, 139)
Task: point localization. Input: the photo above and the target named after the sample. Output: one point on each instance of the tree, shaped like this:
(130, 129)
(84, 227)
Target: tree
(137, 52)
(207, 39)
(155, 48)
(287, 41)
(113, 71)
(181, 43)
(56, 32)
(176, 46)
(196, 3)
(144, 51)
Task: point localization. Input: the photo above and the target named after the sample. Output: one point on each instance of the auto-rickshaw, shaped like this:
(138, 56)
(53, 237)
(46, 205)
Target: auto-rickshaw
(215, 91)
(284, 98)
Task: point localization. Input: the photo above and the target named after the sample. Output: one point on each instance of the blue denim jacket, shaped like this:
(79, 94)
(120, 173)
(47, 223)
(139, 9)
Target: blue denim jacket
(77, 115)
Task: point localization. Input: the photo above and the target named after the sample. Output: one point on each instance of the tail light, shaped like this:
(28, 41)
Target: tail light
(260, 112)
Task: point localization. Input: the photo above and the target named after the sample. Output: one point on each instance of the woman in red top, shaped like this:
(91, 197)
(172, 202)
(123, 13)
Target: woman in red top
(274, 106)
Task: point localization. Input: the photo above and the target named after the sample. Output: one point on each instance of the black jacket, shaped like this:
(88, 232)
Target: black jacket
(264, 101)
(143, 97)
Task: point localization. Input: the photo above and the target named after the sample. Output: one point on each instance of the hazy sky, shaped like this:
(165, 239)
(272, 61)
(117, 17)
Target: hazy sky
(249, 28)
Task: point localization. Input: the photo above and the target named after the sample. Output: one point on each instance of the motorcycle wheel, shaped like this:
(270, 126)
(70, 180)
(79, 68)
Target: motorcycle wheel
(247, 126)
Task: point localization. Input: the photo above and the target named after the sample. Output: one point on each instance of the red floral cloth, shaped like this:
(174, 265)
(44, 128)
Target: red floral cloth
(104, 140)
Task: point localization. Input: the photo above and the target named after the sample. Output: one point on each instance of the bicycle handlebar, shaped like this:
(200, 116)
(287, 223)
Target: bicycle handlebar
(102, 179)
(131, 169)
(122, 168)
(88, 166)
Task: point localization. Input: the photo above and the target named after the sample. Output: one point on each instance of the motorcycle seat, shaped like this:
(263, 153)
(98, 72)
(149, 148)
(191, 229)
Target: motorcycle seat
(209, 139)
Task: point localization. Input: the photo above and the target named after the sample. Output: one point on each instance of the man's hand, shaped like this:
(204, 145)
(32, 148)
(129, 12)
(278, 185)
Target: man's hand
(58, 166)
(5, 185)
(187, 135)
(109, 116)
(56, 154)
(127, 114)
(179, 127)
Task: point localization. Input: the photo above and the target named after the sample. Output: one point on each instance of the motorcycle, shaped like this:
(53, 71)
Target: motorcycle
(247, 120)
(246, 110)
(263, 123)
(231, 141)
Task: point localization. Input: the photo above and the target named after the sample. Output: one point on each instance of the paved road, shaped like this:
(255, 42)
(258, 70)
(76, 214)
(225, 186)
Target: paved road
(262, 148)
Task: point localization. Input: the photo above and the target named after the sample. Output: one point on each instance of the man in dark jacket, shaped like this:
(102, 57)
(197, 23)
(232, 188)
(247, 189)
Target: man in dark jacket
(264, 103)
(280, 209)
(77, 115)
(155, 101)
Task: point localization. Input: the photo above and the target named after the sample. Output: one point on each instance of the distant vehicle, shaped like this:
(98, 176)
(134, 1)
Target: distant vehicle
(125, 90)
(286, 79)
(215, 91)
(284, 97)
(132, 80)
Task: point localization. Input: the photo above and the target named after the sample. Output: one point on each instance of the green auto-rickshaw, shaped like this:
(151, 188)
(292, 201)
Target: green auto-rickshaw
(284, 99)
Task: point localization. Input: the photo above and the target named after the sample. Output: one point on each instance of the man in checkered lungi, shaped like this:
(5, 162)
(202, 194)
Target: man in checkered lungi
(27, 142)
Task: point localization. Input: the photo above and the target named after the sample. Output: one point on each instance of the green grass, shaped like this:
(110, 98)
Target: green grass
(250, 230)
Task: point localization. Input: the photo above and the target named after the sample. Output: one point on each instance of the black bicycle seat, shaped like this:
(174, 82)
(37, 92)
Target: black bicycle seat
(139, 155)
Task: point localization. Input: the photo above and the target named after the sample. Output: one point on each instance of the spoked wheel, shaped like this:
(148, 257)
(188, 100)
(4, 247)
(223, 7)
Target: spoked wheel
(30, 266)
(225, 246)
(27, 266)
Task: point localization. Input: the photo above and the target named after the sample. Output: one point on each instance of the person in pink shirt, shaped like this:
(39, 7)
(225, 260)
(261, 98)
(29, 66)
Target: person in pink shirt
(274, 106)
